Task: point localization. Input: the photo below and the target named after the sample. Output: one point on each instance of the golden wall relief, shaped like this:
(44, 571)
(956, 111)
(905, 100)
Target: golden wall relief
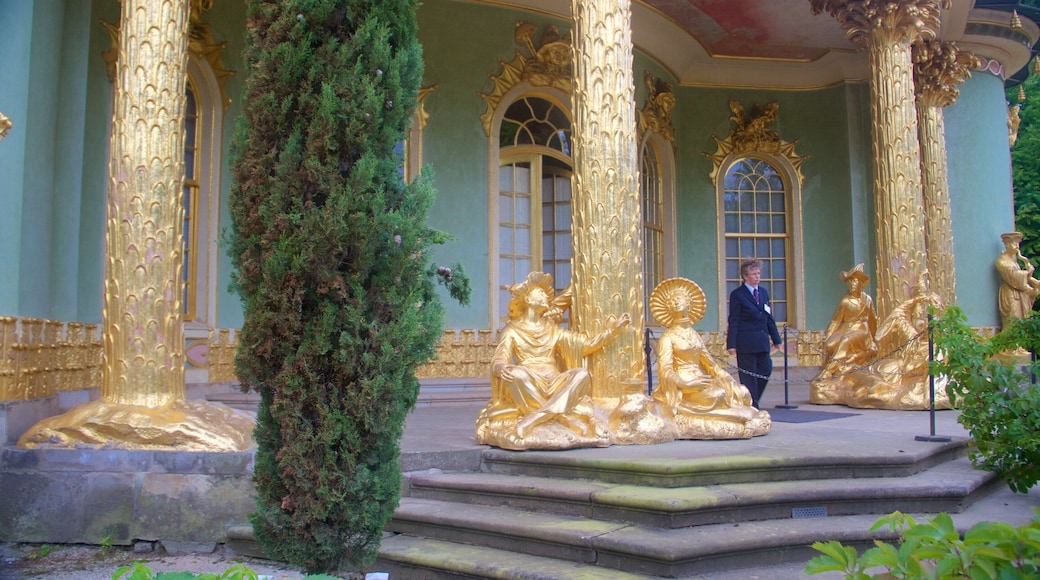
(39, 358)
(753, 132)
(5, 126)
(656, 114)
(546, 64)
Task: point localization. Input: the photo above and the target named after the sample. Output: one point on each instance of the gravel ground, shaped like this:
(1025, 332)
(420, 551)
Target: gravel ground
(79, 562)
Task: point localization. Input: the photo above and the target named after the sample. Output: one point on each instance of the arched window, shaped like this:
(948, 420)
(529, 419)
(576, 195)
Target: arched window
(756, 220)
(203, 145)
(192, 160)
(652, 194)
(534, 196)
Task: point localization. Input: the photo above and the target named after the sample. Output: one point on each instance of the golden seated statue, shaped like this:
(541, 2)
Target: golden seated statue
(898, 378)
(704, 400)
(539, 386)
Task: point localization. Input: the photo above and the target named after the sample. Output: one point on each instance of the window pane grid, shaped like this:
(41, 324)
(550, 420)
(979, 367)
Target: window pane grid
(755, 225)
(190, 200)
(556, 225)
(653, 224)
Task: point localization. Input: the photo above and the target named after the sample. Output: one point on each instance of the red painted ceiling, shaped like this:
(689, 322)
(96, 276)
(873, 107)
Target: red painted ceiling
(756, 28)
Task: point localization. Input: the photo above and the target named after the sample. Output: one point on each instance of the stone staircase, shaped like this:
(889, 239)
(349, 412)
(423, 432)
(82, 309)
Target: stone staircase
(598, 514)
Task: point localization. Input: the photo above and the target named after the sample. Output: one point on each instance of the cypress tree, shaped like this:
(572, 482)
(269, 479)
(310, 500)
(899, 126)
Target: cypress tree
(330, 249)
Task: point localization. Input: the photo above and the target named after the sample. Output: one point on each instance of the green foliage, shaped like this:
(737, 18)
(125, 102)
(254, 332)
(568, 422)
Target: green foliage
(41, 552)
(1025, 164)
(330, 249)
(999, 405)
(936, 550)
(140, 571)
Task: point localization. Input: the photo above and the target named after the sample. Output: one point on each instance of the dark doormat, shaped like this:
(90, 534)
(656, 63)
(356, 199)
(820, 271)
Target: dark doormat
(799, 416)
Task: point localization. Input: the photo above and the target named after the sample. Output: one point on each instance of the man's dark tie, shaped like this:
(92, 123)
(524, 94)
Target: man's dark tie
(757, 299)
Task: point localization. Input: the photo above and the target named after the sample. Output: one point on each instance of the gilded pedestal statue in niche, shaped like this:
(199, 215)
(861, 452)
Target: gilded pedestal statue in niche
(704, 400)
(539, 385)
(896, 377)
(1018, 287)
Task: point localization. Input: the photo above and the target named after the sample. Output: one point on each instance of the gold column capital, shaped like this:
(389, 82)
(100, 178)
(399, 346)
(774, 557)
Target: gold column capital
(884, 20)
(939, 67)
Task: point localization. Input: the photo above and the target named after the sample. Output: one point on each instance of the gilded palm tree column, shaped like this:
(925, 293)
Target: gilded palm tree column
(887, 28)
(607, 228)
(143, 321)
(939, 68)
(143, 403)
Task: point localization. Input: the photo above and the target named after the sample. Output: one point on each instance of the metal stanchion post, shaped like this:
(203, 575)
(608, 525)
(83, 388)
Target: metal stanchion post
(787, 401)
(931, 392)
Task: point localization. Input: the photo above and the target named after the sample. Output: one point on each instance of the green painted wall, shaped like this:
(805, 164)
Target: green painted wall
(228, 21)
(69, 146)
(828, 123)
(980, 192)
(96, 135)
(55, 163)
(455, 145)
(832, 194)
(16, 20)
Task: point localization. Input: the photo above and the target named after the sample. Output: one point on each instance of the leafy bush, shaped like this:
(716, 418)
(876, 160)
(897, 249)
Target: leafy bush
(1000, 407)
(331, 251)
(140, 571)
(936, 550)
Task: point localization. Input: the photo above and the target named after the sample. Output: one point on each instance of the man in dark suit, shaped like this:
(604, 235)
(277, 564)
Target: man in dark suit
(751, 329)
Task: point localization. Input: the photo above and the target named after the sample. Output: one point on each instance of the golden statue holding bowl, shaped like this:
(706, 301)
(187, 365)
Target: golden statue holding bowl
(706, 402)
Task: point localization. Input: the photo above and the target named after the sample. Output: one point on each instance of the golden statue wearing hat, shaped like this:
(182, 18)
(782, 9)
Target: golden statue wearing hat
(1018, 288)
(850, 338)
(886, 370)
(539, 385)
(704, 400)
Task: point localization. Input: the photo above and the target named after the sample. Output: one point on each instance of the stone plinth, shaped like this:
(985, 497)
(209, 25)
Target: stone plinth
(115, 496)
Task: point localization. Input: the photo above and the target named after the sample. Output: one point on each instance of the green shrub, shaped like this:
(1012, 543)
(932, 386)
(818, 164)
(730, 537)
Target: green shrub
(1000, 407)
(141, 571)
(331, 255)
(936, 550)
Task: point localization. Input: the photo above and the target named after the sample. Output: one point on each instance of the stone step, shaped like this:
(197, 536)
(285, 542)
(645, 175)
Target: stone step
(672, 464)
(427, 559)
(625, 547)
(949, 487)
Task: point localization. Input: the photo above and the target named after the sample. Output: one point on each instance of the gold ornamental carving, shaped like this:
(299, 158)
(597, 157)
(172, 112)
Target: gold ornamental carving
(5, 126)
(143, 403)
(546, 64)
(887, 21)
(584, 386)
(1018, 287)
(884, 365)
(541, 386)
(753, 132)
(695, 390)
(939, 67)
(656, 114)
(1013, 122)
(887, 28)
(200, 43)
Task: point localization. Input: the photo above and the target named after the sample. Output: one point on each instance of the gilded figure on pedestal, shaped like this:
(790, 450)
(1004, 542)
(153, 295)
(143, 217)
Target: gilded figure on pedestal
(706, 402)
(539, 384)
(1018, 288)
